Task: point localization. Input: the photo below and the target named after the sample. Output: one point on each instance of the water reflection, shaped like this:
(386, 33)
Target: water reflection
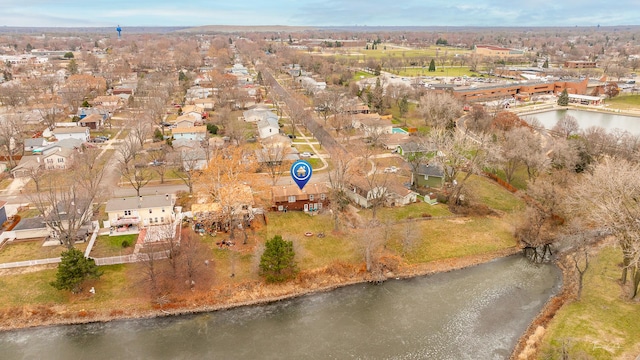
(476, 313)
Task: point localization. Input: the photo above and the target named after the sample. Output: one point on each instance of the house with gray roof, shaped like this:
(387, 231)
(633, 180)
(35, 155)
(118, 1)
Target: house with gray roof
(428, 175)
(133, 213)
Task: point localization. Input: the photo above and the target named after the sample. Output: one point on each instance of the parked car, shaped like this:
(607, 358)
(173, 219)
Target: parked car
(156, 163)
(391, 169)
(105, 138)
(97, 140)
(306, 154)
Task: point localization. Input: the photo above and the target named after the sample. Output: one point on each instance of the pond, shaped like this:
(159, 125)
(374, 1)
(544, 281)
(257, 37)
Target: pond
(586, 119)
(474, 313)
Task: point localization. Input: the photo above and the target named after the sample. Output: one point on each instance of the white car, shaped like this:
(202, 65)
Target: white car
(391, 169)
(306, 154)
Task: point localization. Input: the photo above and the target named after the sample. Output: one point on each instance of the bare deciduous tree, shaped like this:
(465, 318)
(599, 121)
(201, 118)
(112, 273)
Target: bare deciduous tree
(67, 202)
(609, 197)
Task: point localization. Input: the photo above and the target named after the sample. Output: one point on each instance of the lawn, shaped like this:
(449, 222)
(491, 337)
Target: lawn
(361, 74)
(624, 102)
(451, 238)
(602, 325)
(412, 211)
(33, 250)
(493, 195)
(456, 71)
(5, 183)
(312, 251)
(106, 245)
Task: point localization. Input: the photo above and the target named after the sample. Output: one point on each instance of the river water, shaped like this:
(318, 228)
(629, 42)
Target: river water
(474, 313)
(586, 119)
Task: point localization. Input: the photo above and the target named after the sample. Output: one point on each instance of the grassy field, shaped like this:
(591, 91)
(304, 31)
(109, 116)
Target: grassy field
(392, 51)
(106, 245)
(624, 102)
(31, 250)
(440, 71)
(602, 325)
(450, 238)
(493, 195)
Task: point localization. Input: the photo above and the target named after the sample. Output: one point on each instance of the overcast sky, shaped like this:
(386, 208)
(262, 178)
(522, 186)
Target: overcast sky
(68, 13)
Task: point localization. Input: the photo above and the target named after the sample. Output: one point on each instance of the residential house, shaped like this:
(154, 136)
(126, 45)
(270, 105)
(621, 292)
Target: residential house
(399, 195)
(428, 175)
(34, 144)
(259, 112)
(109, 102)
(197, 133)
(184, 121)
(364, 193)
(77, 132)
(197, 93)
(134, 213)
(31, 228)
(239, 69)
(392, 141)
(268, 127)
(204, 104)
(27, 166)
(93, 121)
(56, 158)
(98, 110)
(185, 145)
(372, 124)
(412, 148)
(311, 85)
(312, 197)
(195, 159)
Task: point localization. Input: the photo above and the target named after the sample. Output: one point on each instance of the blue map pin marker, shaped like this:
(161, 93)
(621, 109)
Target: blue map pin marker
(301, 173)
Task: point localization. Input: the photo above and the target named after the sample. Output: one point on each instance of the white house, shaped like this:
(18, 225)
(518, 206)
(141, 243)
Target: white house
(258, 113)
(132, 213)
(268, 127)
(78, 132)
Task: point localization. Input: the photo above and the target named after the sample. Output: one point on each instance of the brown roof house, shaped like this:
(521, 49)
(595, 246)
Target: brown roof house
(313, 197)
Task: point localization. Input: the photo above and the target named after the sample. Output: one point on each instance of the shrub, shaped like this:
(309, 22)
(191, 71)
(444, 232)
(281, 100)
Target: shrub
(126, 243)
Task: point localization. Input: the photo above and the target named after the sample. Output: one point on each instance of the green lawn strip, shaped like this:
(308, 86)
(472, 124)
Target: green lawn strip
(493, 195)
(32, 250)
(451, 238)
(624, 102)
(30, 288)
(412, 211)
(361, 74)
(28, 213)
(602, 324)
(106, 245)
(303, 147)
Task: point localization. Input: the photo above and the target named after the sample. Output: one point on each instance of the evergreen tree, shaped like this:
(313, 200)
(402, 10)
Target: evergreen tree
(546, 64)
(72, 67)
(432, 65)
(563, 99)
(277, 263)
(259, 79)
(73, 270)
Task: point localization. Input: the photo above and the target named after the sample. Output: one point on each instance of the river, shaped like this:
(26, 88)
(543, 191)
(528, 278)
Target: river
(586, 119)
(474, 313)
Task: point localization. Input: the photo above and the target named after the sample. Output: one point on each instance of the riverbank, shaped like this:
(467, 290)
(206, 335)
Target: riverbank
(251, 293)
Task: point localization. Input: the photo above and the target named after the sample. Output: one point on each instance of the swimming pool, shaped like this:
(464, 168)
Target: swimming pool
(398, 131)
